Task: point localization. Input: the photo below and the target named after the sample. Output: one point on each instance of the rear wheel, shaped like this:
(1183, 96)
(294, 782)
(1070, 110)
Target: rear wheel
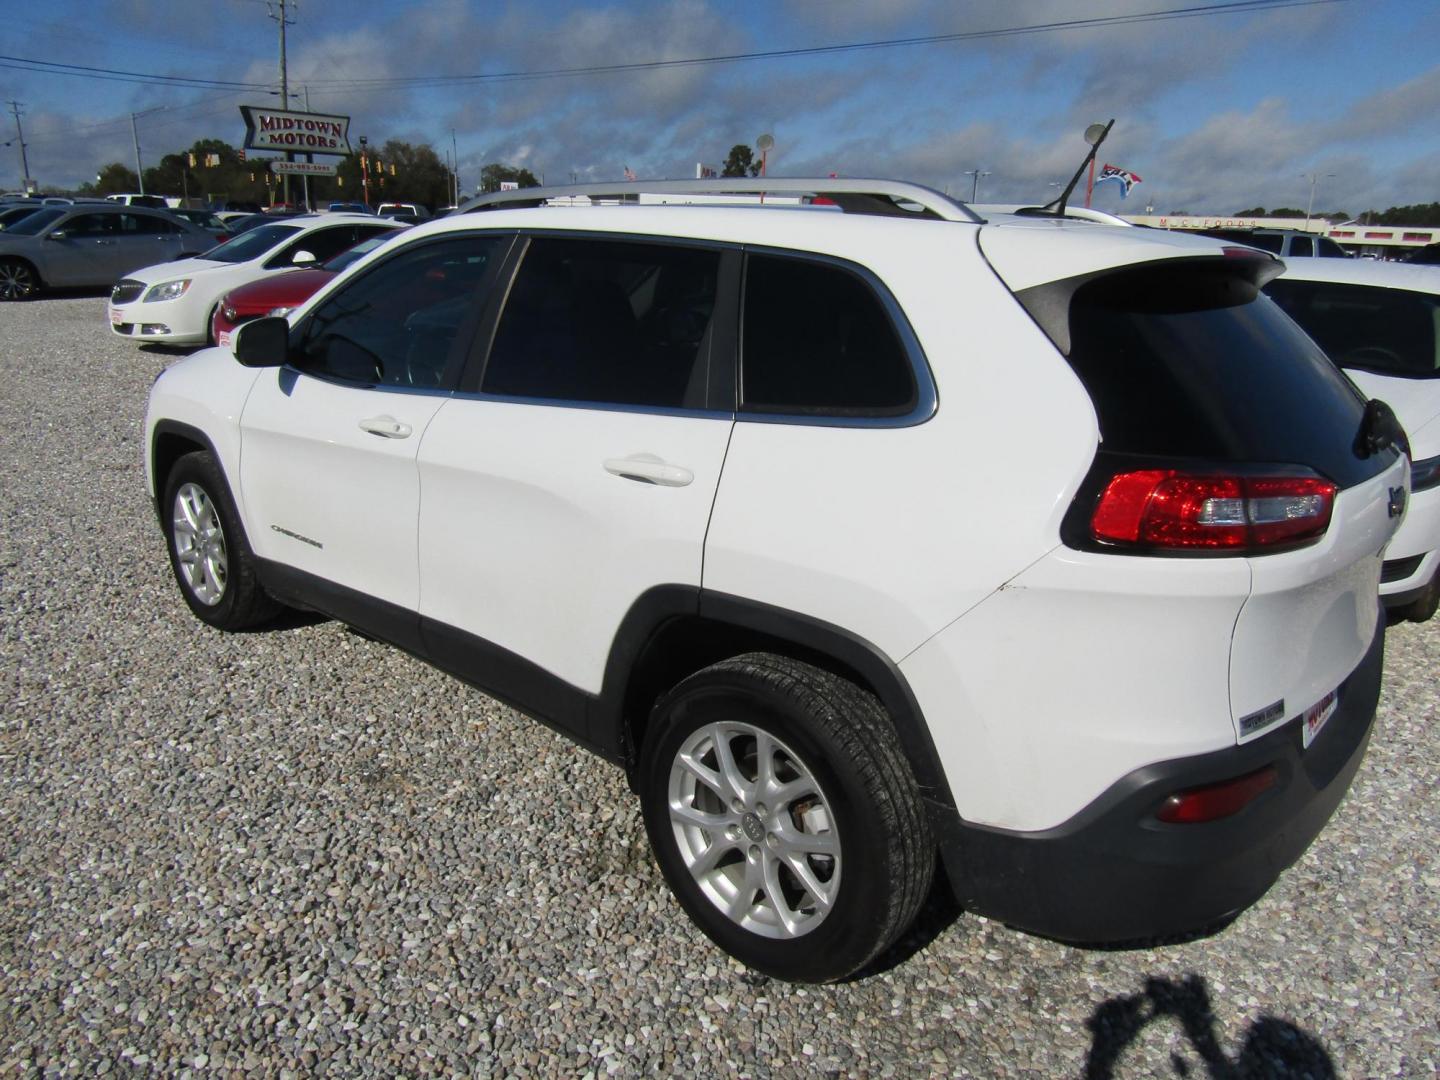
(209, 553)
(785, 817)
(18, 280)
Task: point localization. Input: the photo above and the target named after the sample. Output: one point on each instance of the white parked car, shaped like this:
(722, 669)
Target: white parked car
(855, 537)
(1381, 323)
(173, 302)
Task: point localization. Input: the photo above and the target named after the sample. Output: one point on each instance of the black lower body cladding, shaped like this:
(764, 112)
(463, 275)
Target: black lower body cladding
(1114, 873)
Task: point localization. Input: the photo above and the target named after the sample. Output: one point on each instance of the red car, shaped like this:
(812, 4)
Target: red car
(282, 293)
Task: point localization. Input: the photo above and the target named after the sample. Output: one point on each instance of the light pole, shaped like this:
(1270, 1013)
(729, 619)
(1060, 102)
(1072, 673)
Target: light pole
(1314, 179)
(364, 172)
(975, 175)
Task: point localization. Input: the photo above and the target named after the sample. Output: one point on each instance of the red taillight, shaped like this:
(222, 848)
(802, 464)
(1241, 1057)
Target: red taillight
(1166, 508)
(1215, 801)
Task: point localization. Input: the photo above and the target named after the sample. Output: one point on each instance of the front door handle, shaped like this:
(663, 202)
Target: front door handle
(386, 427)
(649, 469)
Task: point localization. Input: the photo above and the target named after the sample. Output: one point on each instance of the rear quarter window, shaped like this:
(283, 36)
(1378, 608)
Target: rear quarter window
(817, 340)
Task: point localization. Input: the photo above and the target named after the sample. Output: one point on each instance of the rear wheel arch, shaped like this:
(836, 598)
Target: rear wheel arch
(674, 631)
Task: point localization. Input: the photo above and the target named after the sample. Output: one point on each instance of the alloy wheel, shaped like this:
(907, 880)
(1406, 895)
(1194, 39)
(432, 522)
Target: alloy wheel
(200, 544)
(754, 829)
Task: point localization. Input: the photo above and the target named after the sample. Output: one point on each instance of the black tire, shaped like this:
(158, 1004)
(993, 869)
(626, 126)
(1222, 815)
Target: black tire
(840, 736)
(1423, 608)
(18, 280)
(231, 599)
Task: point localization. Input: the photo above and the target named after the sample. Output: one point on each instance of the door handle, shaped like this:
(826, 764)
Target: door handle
(648, 469)
(386, 427)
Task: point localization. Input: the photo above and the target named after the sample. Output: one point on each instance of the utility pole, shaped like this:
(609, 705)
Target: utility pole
(20, 137)
(139, 172)
(1314, 179)
(975, 175)
(455, 170)
(280, 17)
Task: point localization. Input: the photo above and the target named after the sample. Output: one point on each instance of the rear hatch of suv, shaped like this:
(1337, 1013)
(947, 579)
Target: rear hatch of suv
(1225, 434)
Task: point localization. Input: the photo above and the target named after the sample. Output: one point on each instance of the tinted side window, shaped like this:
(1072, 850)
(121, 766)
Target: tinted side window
(817, 339)
(93, 225)
(146, 225)
(1302, 245)
(1387, 330)
(606, 321)
(396, 325)
(324, 244)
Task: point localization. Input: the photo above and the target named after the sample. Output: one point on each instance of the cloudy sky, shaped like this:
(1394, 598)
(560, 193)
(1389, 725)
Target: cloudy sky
(1217, 111)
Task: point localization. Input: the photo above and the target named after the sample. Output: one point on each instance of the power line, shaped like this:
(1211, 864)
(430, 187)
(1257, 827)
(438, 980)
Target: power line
(1193, 11)
(189, 82)
(416, 81)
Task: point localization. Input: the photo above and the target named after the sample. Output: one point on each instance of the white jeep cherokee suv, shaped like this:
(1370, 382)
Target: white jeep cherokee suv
(857, 534)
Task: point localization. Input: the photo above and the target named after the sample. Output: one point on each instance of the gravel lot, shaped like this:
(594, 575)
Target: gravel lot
(301, 852)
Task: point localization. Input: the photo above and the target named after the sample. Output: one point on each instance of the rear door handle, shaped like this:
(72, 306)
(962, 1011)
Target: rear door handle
(386, 427)
(649, 469)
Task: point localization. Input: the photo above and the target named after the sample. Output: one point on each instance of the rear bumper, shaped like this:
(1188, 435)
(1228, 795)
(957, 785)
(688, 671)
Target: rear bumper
(1114, 873)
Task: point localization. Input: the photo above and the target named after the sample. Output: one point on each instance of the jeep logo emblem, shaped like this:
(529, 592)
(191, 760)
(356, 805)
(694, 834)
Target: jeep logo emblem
(1397, 501)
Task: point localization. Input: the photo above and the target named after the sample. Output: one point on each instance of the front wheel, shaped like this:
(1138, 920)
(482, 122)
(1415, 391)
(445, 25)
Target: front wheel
(18, 280)
(209, 553)
(785, 817)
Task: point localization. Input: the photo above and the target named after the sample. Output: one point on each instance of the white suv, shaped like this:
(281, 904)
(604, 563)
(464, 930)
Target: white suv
(856, 534)
(1381, 323)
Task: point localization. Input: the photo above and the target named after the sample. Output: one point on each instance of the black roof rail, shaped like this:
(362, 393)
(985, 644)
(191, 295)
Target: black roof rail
(890, 198)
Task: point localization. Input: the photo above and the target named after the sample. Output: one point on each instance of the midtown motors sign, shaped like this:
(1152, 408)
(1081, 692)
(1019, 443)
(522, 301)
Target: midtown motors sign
(304, 133)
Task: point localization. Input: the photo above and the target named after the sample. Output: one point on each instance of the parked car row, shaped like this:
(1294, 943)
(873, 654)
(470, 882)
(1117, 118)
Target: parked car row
(175, 302)
(1040, 550)
(90, 245)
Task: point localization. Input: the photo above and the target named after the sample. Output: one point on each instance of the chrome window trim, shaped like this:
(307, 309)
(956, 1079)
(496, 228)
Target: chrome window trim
(597, 406)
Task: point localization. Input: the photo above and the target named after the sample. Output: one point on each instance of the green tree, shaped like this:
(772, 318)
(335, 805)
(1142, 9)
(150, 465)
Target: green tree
(741, 162)
(411, 173)
(1254, 211)
(1286, 211)
(116, 179)
(492, 174)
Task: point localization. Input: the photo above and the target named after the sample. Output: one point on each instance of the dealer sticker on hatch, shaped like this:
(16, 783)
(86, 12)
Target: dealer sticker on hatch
(1315, 718)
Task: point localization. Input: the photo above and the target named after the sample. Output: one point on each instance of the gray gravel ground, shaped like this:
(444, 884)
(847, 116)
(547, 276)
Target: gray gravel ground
(300, 852)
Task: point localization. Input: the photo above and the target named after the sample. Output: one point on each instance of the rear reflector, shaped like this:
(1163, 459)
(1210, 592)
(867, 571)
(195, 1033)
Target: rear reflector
(1215, 801)
(1169, 509)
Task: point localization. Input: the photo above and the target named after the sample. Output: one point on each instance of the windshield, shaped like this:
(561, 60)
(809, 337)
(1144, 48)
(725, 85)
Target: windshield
(252, 244)
(1390, 331)
(34, 224)
(360, 250)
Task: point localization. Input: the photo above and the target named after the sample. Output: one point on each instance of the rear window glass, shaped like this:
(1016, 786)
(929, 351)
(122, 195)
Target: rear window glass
(1393, 331)
(1193, 362)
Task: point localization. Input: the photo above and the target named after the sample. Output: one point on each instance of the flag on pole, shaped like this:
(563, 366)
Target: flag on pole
(1124, 178)
(629, 173)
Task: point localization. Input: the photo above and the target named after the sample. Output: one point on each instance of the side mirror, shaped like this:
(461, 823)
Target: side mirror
(302, 258)
(58, 234)
(263, 343)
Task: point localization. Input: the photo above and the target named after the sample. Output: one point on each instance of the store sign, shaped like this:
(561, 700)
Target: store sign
(305, 133)
(302, 168)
